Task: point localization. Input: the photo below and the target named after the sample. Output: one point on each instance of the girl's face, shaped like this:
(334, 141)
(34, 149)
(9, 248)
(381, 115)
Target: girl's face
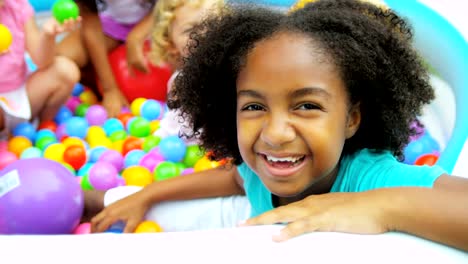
(186, 17)
(293, 115)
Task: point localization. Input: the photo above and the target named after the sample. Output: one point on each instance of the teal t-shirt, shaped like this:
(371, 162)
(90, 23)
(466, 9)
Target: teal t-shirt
(362, 171)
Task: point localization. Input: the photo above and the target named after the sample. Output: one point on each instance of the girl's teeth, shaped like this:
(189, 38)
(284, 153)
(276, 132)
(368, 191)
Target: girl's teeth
(285, 159)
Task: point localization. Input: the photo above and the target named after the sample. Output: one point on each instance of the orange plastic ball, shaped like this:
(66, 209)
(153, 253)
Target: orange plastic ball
(137, 176)
(148, 227)
(75, 156)
(205, 164)
(51, 125)
(18, 144)
(124, 117)
(132, 143)
(427, 159)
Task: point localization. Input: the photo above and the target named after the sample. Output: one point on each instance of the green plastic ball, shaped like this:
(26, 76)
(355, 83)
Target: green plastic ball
(65, 9)
(85, 184)
(81, 110)
(151, 142)
(118, 135)
(193, 154)
(44, 142)
(140, 127)
(166, 170)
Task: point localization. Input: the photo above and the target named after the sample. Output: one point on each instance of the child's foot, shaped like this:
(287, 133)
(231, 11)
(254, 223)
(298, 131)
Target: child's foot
(93, 204)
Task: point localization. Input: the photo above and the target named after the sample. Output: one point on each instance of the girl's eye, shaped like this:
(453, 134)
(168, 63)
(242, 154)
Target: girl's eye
(308, 106)
(253, 107)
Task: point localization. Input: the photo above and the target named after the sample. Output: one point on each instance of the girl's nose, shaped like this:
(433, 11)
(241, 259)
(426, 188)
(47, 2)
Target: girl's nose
(277, 131)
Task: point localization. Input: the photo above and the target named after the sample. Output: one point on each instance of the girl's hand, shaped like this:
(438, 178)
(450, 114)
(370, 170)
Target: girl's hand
(113, 100)
(52, 28)
(135, 57)
(361, 213)
(130, 210)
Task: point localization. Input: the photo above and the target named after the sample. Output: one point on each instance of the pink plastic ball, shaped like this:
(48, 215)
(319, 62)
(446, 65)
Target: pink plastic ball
(82, 229)
(188, 171)
(151, 160)
(113, 157)
(96, 115)
(73, 103)
(6, 158)
(3, 146)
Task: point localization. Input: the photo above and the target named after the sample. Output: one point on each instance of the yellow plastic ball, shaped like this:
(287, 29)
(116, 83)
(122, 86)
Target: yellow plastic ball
(117, 145)
(154, 125)
(73, 141)
(148, 227)
(5, 38)
(18, 144)
(55, 152)
(95, 132)
(135, 106)
(205, 164)
(88, 97)
(137, 176)
(100, 142)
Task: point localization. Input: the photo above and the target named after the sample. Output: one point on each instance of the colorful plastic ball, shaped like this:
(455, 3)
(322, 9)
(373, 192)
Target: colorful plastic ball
(25, 129)
(117, 145)
(193, 154)
(205, 164)
(69, 167)
(100, 142)
(31, 152)
(427, 159)
(187, 171)
(103, 176)
(72, 103)
(135, 106)
(148, 227)
(45, 133)
(88, 97)
(137, 176)
(151, 109)
(151, 142)
(112, 157)
(63, 115)
(96, 115)
(166, 170)
(95, 153)
(6, 38)
(133, 157)
(3, 145)
(75, 156)
(132, 143)
(151, 160)
(61, 131)
(425, 144)
(84, 170)
(43, 142)
(55, 152)
(116, 228)
(118, 135)
(82, 229)
(18, 144)
(111, 125)
(49, 124)
(78, 89)
(139, 127)
(6, 158)
(85, 184)
(172, 148)
(65, 9)
(81, 109)
(95, 132)
(155, 125)
(124, 118)
(76, 127)
(73, 141)
(46, 200)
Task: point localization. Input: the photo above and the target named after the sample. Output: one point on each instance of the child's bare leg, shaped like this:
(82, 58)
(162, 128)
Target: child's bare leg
(93, 204)
(48, 89)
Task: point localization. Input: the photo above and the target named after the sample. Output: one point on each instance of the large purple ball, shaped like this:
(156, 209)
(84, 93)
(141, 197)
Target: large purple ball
(39, 196)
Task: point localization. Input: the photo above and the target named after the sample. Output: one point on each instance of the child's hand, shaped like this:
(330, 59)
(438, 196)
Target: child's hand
(113, 101)
(52, 28)
(130, 210)
(135, 58)
(360, 213)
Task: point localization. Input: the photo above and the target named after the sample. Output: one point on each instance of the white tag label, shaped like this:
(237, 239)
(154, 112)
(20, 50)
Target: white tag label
(9, 182)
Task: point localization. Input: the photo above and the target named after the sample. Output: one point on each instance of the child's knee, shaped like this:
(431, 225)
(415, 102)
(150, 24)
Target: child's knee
(67, 71)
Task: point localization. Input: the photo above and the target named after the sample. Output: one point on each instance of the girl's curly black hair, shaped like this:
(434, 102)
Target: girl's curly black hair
(370, 46)
(100, 5)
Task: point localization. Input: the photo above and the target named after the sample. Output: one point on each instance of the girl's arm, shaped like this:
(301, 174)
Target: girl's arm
(135, 40)
(439, 214)
(132, 209)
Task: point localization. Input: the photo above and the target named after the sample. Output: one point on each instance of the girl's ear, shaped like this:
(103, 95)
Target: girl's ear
(354, 120)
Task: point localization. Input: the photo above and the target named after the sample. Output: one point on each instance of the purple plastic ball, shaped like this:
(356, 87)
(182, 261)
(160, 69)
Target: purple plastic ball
(39, 196)
(103, 176)
(114, 158)
(188, 171)
(96, 115)
(73, 103)
(151, 160)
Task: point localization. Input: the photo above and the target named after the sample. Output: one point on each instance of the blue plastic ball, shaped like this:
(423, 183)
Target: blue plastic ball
(63, 115)
(78, 89)
(84, 170)
(95, 153)
(172, 148)
(133, 157)
(76, 127)
(25, 129)
(45, 133)
(111, 125)
(423, 145)
(151, 109)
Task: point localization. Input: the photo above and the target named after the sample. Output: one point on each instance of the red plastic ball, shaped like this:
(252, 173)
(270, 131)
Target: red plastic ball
(51, 125)
(75, 156)
(132, 143)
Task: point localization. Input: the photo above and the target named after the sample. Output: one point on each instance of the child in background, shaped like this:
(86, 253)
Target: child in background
(25, 96)
(315, 106)
(175, 19)
(106, 25)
